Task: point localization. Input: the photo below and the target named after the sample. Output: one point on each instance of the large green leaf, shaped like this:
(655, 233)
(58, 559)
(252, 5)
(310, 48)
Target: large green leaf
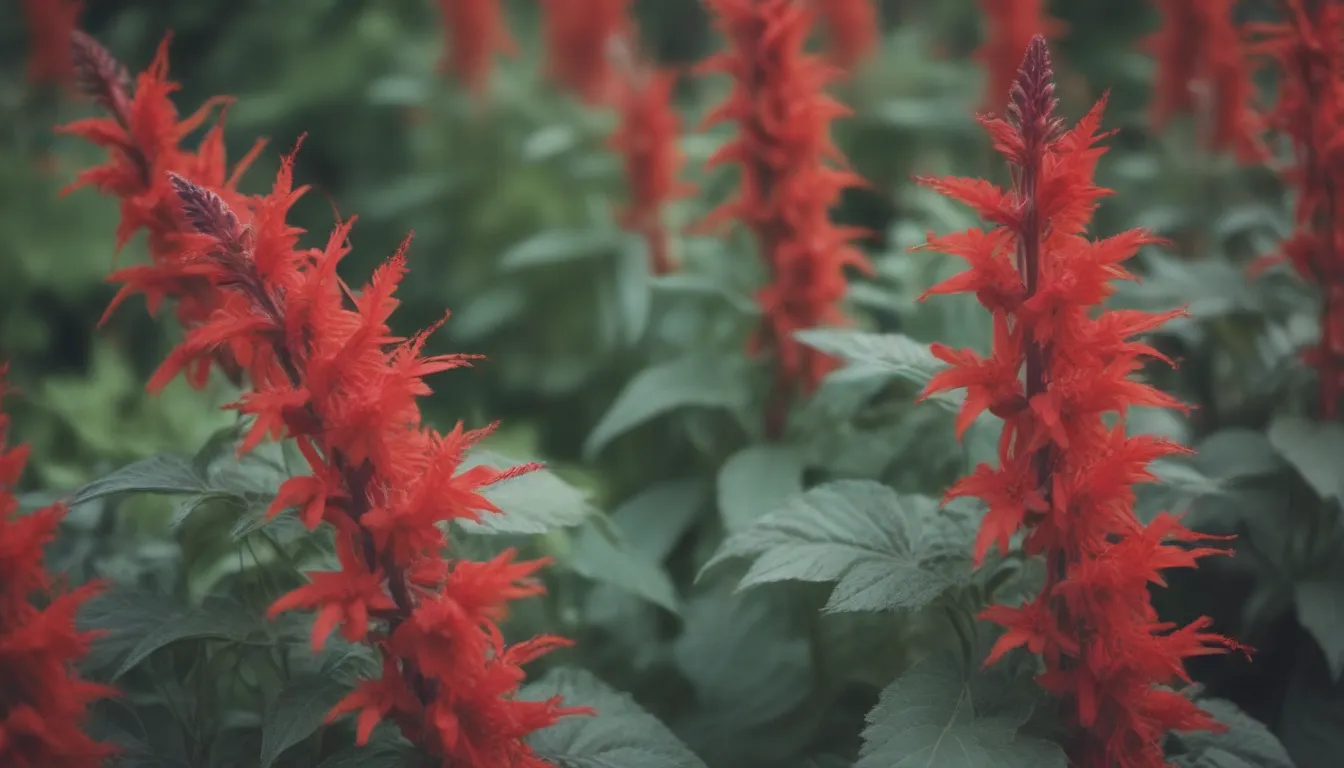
(1314, 449)
(884, 551)
(928, 719)
(686, 382)
(622, 734)
(1246, 742)
(887, 355)
(297, 712)
(756, 480)
(1320, 609)
(215, 619)
(536, 502)
(165, 473)
(598, 557)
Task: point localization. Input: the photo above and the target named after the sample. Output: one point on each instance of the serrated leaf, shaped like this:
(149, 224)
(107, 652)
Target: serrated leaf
(537, 502)
(686, 382)
(559, 246)
(297, 712)
(884, 551)
(216, 619)
(163, 473)
(1314, 449)
(597, 557)
(927, 719)
(757, 480)
(890, 355)
(1320, 609)
(1246, 741)
(622, 734)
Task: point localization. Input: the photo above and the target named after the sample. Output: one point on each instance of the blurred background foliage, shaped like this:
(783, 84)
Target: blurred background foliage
(511, 201)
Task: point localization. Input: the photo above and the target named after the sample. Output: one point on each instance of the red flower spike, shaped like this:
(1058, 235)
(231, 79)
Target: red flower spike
(324, 368)
(1201, 66)
(1307, 50)
(1058, 366)
(1010, 26)
(50, 24)
(474, 30)
(852, 30)
(791, 176)
(580, 36)
(42, 701)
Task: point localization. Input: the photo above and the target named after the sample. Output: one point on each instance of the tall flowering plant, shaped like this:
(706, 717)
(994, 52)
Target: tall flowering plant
(791, 176)
(580, 35)
(474, 31)
(1065, 476)
(43, 701)
(324, 369)
(1009, 27)
(50, 23)
(1307, 48)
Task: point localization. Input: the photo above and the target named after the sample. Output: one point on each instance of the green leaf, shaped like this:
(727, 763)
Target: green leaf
(620, 735)
(1237, 453)
(927, 719)
(595, 556)
(682, 383)
(164, 473)
(634, 293)
(215, 619)
(883, 355)
(884, 551)
(756, 480)
(1245, 742)
(1320, 609)
(654, 520)
(536, 502)
(297, 712)
(558, 246)
(1314, 449)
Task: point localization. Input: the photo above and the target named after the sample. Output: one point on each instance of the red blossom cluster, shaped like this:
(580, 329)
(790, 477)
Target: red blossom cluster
(143, 136)
(50, 23)
(852, 29)
(791, 177)
(325, 370)
(1198, 47)
(1058, 367)
(579, 38)
(42, 700)
(474, 31)
(1009, 27)
(1307, 49)
(647, 139)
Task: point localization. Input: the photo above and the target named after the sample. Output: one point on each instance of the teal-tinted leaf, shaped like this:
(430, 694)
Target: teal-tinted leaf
(164, 473)
(687, 382)
(756, 480)
(654, 520)
(622, 734)
(927, 719)
(536, 502)
(215, 619)
(634, 292)
(1245, 742)
(597, 557)
(884, 551)
(887, 355)
(1237, 453)
(1206, 288)
(1314, 449)
(558, 246)
(1320, 608)
(297, 712)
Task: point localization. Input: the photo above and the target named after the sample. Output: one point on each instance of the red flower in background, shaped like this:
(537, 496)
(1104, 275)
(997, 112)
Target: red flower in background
(50, 23)
(648, 140)
(1064, 475)
(579, 39)
(474, 31)
(1199, 46)
(142, 135)
(852, 29)
(42, 701)
(791, 176)
(1009, 27)
(1308, 51)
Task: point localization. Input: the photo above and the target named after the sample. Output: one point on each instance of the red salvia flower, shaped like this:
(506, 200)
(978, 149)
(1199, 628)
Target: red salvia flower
(1009, 26)
(50, 23)
(579, 39)
(1199, 47)
(852, 29)
(42, 701)
(325, 370)
(648, 140)
(790, 179)
(142, 135)
(1308, 50)
(474, 31)
(1058, 366)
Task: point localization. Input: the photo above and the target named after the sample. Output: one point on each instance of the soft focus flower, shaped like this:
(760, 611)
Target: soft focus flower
(1009, 26)
(579, 39)
(50, 23)
(474, 31)
(852, 29)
